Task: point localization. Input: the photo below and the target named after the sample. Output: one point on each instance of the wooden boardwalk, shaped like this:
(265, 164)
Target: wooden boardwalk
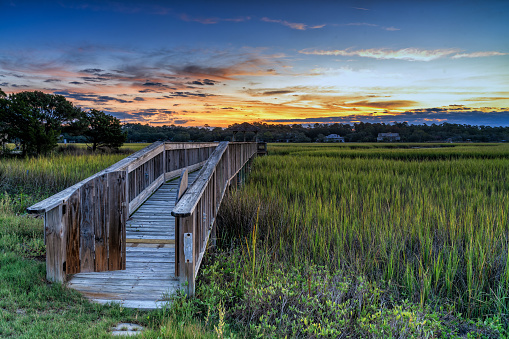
(120, 236)
(149, 276)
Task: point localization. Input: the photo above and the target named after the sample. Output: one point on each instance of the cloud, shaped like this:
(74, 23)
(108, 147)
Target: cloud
(213, 20)
(94, 79)
(187, 94)
(293, 25)
(487, 99)
(249, 64)
(276, 92)
(360, 24)
(409, 54)
(478, 55)
(154, 84)
(391, 104)
(95, 98)
(52, 80)
(369, 25)
(468, 116)
(193, 69)
(361, 8)
(92, 70)
(203, 82)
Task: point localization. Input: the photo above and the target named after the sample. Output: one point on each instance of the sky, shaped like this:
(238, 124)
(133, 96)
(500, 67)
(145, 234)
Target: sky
(216, 63)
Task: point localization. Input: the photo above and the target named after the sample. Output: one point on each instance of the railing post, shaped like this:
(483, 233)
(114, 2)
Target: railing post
(56, 243)
(187, 252)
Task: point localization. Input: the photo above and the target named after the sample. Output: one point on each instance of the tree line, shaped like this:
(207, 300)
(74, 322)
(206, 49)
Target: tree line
(37, 122)
(359, 132)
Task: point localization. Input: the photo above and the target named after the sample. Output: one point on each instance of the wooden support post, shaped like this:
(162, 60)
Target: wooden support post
(187, 252)
(55, 229)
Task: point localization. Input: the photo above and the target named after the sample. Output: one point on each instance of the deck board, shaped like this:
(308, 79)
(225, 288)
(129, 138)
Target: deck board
(149, 276)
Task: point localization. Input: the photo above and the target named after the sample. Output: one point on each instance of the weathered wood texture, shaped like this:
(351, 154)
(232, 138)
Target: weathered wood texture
(182, 187)
(150, 254)
(196, 211)
(87, 221)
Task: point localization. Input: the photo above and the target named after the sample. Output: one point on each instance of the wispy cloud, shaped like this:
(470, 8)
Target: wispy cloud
(409, 54)
(438, 115)
(361, 8)
(478, 55)
(367, 24)
(293, 25)
(213, 20)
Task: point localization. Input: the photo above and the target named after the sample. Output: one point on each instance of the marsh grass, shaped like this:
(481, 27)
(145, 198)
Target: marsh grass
(366, 240)
(430, 223)
(29, 180)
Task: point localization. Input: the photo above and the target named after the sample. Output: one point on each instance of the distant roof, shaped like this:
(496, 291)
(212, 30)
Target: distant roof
(243, 127)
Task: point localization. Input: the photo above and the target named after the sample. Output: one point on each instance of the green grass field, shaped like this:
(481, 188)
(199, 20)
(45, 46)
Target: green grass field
(352, 240)
(428, 224)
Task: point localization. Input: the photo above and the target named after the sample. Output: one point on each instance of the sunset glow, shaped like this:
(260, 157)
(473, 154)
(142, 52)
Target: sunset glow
(221, 62)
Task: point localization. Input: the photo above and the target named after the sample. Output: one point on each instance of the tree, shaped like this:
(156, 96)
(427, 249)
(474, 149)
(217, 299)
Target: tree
(101, 130)
(36, 119)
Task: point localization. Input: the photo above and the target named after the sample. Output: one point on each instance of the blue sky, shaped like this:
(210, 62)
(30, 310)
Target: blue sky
(220, 62)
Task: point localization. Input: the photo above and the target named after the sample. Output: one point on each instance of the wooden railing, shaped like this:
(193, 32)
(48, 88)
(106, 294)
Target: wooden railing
(196, 211)
(85, 223)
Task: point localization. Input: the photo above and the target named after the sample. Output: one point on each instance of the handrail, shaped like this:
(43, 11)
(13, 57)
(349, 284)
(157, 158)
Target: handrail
(196, 212)
(62, 196)
(85, 224)
(186, 205)
(127, 163)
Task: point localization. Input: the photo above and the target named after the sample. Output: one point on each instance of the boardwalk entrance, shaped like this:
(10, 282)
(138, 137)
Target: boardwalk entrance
(128, 235)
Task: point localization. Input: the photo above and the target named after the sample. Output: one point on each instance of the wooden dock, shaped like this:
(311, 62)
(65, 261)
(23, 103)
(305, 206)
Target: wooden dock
(128, 234)
(149, 277)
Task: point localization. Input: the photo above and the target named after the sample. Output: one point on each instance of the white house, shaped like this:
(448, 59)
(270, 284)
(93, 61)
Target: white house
(388, 137)
(334, 138)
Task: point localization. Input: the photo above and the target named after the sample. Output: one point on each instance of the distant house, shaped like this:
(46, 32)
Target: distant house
(388, 137)
(334, 138)
(3, 141)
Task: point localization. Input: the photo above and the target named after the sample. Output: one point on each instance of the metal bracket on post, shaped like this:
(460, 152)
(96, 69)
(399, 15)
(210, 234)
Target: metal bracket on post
(188, 247)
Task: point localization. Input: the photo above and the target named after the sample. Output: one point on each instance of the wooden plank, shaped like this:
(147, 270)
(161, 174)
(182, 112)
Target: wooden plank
(182, 185)
(87, 240)
(73, 214)
(54, 226)
(124, 214)
(63, 196)
(185, 269)
(114, 222)
(156, 149)
(135, 304)
(100, 221)
(143, 195)
(188, 202)
(150, 241)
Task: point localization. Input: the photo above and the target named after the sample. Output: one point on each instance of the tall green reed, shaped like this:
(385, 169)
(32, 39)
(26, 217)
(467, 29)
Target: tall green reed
(432, 223)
